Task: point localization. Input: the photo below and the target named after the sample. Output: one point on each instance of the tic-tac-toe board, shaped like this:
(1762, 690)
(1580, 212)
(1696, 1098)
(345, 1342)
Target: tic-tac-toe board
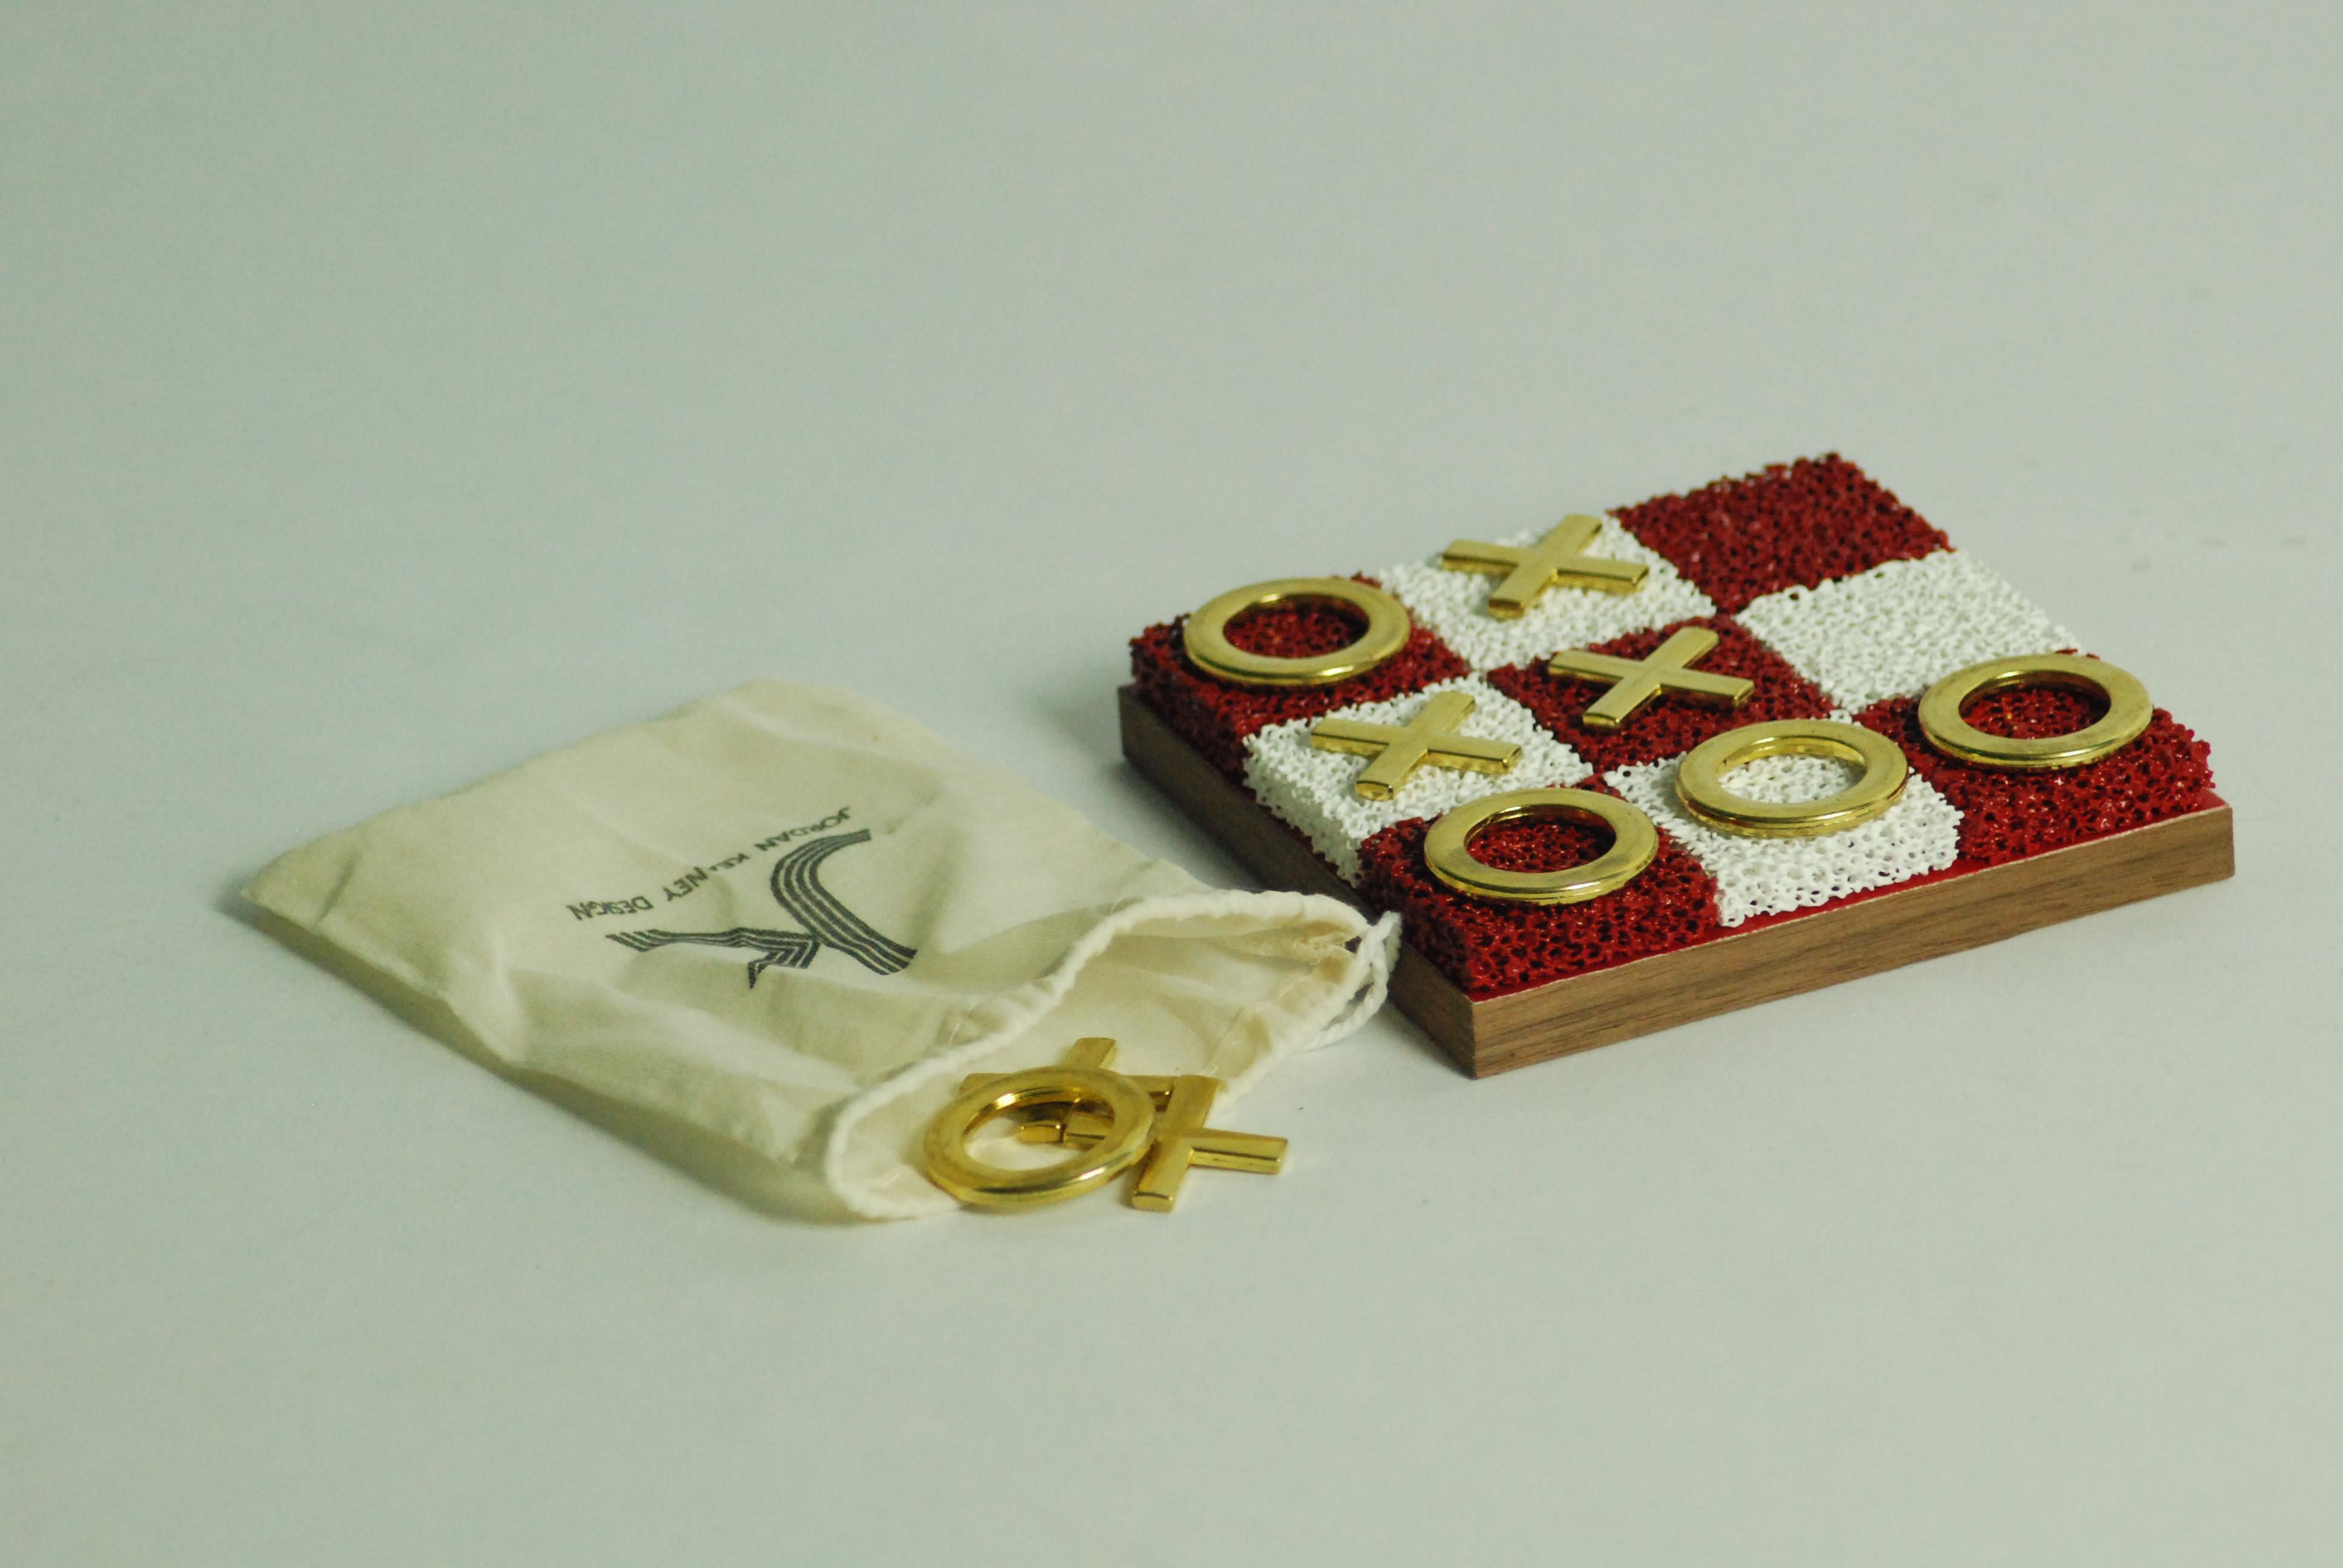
(1908, 767)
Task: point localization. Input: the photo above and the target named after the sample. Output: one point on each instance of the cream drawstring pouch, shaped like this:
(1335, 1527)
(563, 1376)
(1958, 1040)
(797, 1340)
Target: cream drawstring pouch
(767, 934)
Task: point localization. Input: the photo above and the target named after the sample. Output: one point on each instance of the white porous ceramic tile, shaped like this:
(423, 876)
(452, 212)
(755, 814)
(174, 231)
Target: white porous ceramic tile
(1455, 604)
(1919, 834)
(1312, 790)
(1898, 628)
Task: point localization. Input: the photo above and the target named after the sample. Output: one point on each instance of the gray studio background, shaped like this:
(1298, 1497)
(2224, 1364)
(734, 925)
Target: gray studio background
(389, 394)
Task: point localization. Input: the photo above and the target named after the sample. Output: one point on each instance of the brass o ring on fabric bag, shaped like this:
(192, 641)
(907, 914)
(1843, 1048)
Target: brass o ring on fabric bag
(1205, 636)
(1700, 778)
(2127, 715)
(1130, 1130)
(1448, 847)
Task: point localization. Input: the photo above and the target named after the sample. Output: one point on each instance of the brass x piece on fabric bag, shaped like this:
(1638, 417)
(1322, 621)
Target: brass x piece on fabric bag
(767, 935)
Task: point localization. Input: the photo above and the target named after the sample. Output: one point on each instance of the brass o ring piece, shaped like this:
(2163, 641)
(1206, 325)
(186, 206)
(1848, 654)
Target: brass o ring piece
(1206, 637)
(1700, 778)
(2127, 715)
(1448, 847)
(1130, 1133)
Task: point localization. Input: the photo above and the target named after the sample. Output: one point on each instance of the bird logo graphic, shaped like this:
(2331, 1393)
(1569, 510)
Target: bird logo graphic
(797, 887)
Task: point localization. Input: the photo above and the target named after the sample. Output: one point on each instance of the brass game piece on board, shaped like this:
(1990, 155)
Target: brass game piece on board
(1428, 739)
(1176, 1139)
(1205, 634)
(1448, 847)
(1637, 681)
(1700, 777)
(1557, 560)
(2127, 718)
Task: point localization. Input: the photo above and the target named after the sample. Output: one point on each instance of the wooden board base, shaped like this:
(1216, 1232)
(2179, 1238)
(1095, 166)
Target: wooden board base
(1738, 970)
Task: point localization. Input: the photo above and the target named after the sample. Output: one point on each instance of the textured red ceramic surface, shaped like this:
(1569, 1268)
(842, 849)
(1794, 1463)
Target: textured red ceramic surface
(1214, 716)
(1789, 526)
(1490, 949)
(1296, 631)
(1669, 724)
(2005, 816)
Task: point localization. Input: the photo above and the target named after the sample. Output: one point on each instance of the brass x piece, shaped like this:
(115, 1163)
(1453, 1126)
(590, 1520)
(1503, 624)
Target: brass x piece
(1183, 1140)
(1637, 681)
(1181, 1137)
(1557, 560)
(1428, 739)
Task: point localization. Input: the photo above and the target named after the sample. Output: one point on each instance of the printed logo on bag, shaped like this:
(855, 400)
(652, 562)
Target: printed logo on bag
(828, 922)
